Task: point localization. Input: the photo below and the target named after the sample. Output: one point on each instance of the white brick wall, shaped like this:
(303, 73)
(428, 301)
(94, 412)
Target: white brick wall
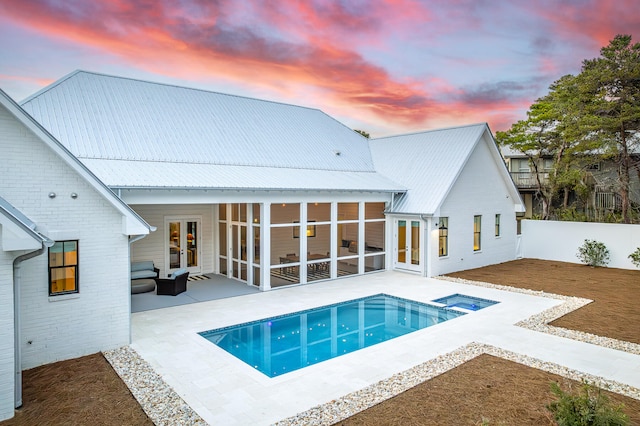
(479, 190)
(6, 335)
(98, 318)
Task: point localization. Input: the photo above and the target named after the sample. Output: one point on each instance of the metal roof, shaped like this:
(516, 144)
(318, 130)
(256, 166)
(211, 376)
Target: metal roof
(160, 175)
(133, 223)
(98, 116)
(427, 163)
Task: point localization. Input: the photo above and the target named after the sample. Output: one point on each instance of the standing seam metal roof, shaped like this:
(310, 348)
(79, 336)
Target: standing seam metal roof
(104, 117)
(426, 163)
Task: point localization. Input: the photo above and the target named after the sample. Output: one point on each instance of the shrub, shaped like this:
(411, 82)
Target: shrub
(590, 407)
(593, 253)
(635, 257)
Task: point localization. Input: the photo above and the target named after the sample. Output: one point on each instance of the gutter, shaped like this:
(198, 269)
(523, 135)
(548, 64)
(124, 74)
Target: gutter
(135, 238)
(16, 317)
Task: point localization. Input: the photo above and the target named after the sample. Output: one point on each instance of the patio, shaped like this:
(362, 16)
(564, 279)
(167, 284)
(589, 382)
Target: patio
(224, 390)
(212, 288)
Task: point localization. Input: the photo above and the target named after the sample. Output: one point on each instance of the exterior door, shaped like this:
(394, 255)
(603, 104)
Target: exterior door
(182, 248)
(407, 253)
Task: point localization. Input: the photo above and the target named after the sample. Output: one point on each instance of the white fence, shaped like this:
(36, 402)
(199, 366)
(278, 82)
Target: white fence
(553, 240)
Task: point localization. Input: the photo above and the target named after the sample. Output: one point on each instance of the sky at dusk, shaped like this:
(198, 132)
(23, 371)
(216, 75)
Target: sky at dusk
(386, 67)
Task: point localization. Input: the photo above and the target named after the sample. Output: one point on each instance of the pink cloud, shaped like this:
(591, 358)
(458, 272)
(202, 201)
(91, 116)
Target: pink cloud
(596, 21)
(138, 36)
(296, 47)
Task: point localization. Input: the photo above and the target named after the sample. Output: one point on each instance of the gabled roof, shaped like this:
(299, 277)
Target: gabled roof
(18, 231)
(132, 223)
(429, 163)
(116, 125)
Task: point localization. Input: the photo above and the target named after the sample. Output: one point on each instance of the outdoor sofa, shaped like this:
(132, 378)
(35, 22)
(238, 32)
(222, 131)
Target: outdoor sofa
(143, 275)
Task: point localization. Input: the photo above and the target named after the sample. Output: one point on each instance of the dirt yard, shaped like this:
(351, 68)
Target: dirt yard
(86, 391)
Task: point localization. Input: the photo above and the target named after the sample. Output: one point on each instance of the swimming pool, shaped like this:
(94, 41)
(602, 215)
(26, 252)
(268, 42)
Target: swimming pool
(275, 346)
(463, 301)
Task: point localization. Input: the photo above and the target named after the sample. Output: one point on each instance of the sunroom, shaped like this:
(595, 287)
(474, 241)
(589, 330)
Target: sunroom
(270, 244)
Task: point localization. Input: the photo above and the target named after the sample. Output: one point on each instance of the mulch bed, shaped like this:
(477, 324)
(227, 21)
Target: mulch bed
(81, 391)
(86, 391)
(486, 388)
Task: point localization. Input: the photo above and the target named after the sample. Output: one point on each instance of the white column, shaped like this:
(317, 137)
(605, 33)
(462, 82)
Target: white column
(361, 237)
(303, 243)
(265, 246)
(334, 240)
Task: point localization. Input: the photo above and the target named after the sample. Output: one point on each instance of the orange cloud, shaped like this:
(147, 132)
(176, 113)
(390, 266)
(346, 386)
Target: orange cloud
(307, 51)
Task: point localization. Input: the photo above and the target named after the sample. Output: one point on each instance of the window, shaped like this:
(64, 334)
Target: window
(477, 222)
(497, 225)
(443, 240)
(63, 268)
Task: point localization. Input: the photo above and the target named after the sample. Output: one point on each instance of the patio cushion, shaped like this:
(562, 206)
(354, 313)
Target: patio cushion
(143, 274)
(177, 273)
(141, 266)
(144, 269)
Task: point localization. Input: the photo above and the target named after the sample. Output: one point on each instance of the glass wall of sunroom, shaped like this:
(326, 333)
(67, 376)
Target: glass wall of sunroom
(279, 244)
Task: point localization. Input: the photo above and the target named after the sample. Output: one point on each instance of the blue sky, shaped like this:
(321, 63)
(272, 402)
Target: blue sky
(386, 67)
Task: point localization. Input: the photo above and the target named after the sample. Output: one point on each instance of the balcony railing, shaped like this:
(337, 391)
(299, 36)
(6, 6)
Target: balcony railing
(528, 180)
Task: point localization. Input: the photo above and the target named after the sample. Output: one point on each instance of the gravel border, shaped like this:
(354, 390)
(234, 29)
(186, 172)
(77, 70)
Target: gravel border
(158, 400)
(165, 407)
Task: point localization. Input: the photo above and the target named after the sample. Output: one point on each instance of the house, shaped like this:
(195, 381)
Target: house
(265, 193)
(460, 205)
(64, 256)
(273, 194)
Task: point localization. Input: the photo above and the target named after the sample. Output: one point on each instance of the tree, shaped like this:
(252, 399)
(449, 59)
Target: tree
(363, 133)
(545, 134)
(610, 93)
(593, 115)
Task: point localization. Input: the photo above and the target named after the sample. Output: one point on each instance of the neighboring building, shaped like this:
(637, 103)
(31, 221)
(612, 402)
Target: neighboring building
(72, 297)
(601, 177)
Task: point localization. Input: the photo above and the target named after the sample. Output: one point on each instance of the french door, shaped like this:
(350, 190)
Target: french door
(407, 253)
(182, 244)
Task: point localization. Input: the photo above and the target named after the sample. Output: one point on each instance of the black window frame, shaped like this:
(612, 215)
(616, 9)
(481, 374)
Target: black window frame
(477, 233)
(76, 267)
(443, 235)
(497, 230)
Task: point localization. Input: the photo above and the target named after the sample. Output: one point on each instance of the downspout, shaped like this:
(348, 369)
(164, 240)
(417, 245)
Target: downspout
(16, 318)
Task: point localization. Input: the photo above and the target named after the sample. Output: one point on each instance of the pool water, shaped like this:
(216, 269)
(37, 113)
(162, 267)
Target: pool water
(275, 346)
(470, 303)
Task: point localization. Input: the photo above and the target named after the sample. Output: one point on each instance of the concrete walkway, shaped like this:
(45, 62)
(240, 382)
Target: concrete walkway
(225, 390)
